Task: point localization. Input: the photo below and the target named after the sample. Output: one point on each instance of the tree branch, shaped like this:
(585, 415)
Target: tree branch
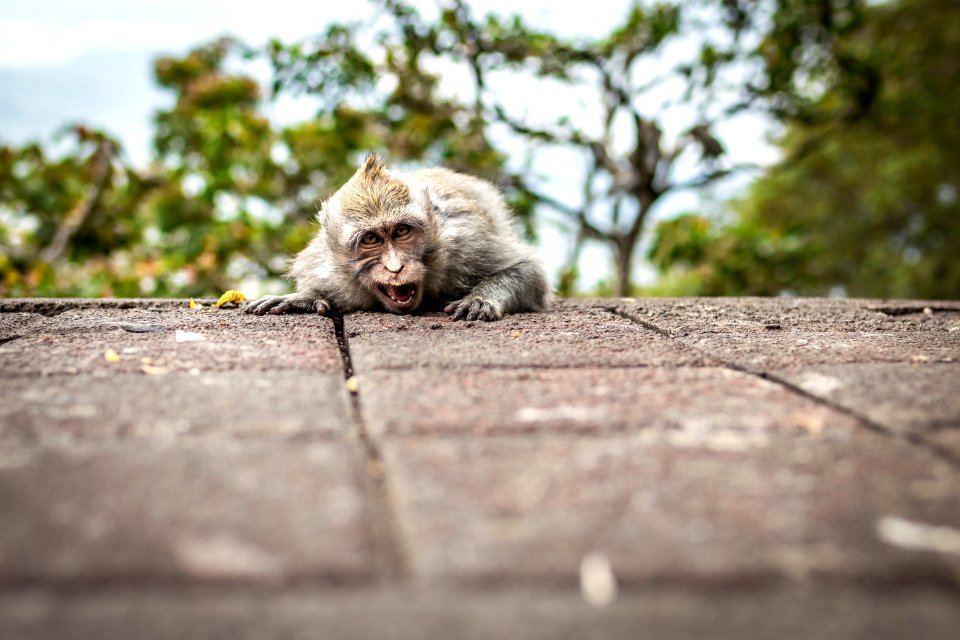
(577, 215)
(713, 176)
(79, 215)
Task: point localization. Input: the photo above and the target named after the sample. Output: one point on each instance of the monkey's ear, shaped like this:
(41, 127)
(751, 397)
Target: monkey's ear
(372, 166)
(426, 201)
(323, 213)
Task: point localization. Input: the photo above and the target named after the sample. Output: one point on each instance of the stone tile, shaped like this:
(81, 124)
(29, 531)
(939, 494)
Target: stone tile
(15, 325)
(566, 337)
(214, 511)
(64, 409)
(50, 307)
(773, 351)
(690, 316)
(921, 399)
(702, 402)
(762, 334)
(665, 506)
(946, 438)
(786, 613)
(75, 340)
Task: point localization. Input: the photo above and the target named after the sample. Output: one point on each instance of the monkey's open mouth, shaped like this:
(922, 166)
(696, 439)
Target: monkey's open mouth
(402, 295)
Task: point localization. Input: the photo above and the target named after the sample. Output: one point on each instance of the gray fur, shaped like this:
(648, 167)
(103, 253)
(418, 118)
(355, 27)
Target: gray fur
(463, 254)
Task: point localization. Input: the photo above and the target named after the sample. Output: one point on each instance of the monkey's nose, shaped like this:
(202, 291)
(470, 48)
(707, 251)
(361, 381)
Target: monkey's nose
(393, 265)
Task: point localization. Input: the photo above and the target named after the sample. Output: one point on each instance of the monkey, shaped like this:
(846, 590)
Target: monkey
(408, 242)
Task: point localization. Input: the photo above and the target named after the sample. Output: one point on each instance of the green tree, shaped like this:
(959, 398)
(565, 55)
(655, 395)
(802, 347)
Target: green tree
(629, 161)
(229, 194)
(62, 217)
(224, 200)
(663, 63)
(866, 198)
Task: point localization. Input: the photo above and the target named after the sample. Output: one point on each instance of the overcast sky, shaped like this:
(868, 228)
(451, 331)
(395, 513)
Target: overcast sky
(63, 61)
(50, 32)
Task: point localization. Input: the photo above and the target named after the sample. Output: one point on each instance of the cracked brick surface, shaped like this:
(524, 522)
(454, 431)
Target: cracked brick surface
(565, 337)
(740, 467)
(677, 504)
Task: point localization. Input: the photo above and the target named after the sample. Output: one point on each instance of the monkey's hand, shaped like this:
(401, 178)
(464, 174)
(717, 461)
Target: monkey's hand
(292, 302)
(474, 307)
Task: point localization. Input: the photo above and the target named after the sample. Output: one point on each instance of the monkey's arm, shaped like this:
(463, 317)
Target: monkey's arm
(316, 284)
(295, 302)
(522, 287)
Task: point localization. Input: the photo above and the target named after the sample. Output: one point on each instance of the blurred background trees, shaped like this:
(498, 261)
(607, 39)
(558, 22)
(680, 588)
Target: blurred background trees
(863, 201)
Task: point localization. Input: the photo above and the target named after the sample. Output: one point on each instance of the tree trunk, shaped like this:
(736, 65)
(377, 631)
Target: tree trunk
(78, 216)
(622, 263)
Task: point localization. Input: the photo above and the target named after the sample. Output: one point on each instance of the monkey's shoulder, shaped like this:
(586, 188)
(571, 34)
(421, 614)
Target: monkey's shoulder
(459, 193)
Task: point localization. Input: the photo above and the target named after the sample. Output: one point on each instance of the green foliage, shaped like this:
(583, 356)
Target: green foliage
(868, 207)
(73, 206)
(865, 200)
(213, 208)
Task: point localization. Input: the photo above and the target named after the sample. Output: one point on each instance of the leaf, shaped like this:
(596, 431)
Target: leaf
(229, 297)
(111, 356)
(152, 371)
(193, 304)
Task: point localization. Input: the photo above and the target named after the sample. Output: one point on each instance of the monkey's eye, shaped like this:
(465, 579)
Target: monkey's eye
(401, 230)
(370, 238)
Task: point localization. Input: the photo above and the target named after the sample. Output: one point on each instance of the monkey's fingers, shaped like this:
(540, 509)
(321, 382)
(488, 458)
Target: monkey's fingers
(284, 306)
(261, 306)
(485, 310)
(457, 310)
(301, 303)
(476, 308)
(451, 308)
(490, 312)
(276, 305)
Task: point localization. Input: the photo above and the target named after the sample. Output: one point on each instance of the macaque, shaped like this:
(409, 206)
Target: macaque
(410, 242)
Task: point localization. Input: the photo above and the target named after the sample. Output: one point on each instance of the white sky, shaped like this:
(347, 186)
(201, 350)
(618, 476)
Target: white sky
(62, 61)
(50, 32)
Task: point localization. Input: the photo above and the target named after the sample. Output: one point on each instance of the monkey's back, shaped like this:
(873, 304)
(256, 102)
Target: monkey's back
(476, 228)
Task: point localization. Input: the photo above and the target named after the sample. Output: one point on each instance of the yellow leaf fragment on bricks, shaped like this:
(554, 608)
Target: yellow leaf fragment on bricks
(193, 304)
(152, 371)
(111, 356)
(516, 334)
(228, 297)
(353, 385)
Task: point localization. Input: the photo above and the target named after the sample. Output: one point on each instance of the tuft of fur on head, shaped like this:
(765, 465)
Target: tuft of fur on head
(372, 191)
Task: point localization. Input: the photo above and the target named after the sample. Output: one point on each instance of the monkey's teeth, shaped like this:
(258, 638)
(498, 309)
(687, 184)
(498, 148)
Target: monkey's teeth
(401, 294)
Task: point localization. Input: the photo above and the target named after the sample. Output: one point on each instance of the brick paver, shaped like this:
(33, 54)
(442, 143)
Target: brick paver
(738, 468)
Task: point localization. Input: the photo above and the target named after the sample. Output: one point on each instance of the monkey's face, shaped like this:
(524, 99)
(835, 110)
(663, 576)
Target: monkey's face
(391, 264)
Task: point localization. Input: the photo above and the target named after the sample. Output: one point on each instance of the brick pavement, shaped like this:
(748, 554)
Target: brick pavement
(740, 467)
